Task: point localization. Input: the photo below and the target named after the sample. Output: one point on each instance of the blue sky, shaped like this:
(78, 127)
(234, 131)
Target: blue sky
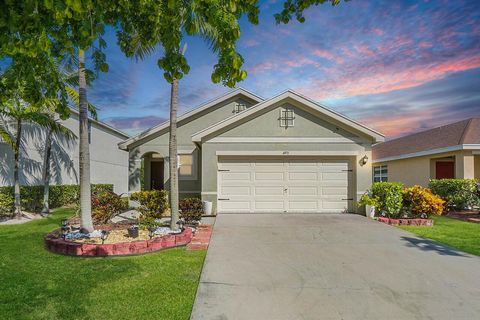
(397, 66)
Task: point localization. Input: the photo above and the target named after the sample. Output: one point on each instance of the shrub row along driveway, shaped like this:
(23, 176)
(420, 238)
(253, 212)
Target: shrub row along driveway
(331, 267)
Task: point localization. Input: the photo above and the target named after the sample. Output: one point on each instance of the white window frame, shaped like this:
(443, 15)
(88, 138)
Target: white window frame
(194, 175)
(239, 107)
(378, 172)
(285, 118)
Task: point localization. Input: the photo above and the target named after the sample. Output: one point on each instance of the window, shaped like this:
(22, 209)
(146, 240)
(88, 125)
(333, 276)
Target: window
(380, 174)
(185, 166)
(239, 107)
(287, 117)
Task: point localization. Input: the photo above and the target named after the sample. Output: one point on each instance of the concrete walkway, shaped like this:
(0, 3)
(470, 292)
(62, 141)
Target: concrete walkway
(304, 266)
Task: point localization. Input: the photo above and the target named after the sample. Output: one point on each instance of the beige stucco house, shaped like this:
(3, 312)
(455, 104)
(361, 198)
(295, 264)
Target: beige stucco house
(450, 151)
(108, 164)
(249, 154)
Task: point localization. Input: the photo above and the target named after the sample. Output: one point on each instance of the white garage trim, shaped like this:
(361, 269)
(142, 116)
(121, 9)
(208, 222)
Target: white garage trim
(288, 153)
(352, 140)
(283, 184)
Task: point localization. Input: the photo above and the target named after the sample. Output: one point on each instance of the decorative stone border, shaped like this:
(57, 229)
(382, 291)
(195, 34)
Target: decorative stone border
(406, 222)
(71, 248)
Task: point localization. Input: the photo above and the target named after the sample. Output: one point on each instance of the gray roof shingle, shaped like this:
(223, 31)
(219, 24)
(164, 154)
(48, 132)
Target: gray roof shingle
(458, 133)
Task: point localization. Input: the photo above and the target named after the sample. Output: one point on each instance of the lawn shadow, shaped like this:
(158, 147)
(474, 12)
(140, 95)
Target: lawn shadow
(431, 245)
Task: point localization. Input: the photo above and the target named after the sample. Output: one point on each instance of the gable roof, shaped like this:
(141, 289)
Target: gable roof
(149, 132)
(289, 94)
(453, 136)
(102, 124)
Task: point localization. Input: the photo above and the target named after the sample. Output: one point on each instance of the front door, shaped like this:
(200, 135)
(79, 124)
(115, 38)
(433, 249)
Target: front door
(445, 170)
(156, 176)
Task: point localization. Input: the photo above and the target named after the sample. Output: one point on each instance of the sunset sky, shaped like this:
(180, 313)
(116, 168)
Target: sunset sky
(396, 66)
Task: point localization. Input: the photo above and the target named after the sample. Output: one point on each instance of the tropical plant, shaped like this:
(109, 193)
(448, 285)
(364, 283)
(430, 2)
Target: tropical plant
(71, 81)
(389, 195)
(191, 209)
(153, 203)
(458, 193)
(297, 7)
(106, 205)
(15, 114)
(420, 202)
(149, 24)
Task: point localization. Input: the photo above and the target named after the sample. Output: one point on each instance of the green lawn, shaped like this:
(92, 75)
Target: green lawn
(462, 235)
(37, 284)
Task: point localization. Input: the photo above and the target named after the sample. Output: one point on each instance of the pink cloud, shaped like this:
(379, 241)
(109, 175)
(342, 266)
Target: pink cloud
(378, 79)
(378, 31)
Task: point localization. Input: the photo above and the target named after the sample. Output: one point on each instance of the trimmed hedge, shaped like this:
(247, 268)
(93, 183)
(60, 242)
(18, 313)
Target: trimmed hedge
(458, 193)
(32, 196)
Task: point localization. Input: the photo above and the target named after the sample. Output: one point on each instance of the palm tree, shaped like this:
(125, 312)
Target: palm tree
(71, 80)
(140, 46)
(18, 113)
(55, 128)
(86, 221)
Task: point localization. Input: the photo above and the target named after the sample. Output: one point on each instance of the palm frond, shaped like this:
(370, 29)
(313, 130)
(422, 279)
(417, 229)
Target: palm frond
(6, 136)
(75, 97)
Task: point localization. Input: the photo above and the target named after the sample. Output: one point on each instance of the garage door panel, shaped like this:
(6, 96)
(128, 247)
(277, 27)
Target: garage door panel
(234, 206)
(235, 190)
(303, 191)
(235, 176)
(329, 176)
(335, 191)
(303, 205)
(272, 205)
(308, 175)
(268, 191)
(269, 176)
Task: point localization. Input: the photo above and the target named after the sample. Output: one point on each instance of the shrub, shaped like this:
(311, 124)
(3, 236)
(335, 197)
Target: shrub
(389, 195)
(59, 195)
(458, 193)
(191, 209)
(153, 203)
(6, 204)
(106, 205)
(368, 199)
(420, 202)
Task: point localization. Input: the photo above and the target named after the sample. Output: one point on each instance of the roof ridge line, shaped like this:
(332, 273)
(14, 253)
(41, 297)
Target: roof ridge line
(465, 131)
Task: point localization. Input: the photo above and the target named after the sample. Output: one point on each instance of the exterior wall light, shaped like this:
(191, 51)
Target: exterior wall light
(364, 160)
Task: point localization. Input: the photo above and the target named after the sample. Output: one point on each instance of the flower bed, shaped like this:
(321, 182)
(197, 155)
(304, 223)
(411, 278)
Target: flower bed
(56, 244)
(410, 222)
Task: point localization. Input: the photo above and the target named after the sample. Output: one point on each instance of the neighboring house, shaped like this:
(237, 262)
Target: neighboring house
(450, 151)
(108, 164)
(246, 154)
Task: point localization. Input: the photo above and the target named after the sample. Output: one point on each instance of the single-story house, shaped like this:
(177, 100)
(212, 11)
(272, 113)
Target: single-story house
(449, 151)
(108, 164)
(248, 154)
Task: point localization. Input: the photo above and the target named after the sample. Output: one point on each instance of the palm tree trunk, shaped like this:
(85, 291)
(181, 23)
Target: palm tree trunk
(16, 180)
(46, 172)
(173, 156)
(84, 149)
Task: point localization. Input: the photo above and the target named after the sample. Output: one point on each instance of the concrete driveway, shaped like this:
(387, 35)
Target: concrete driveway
(305, 266)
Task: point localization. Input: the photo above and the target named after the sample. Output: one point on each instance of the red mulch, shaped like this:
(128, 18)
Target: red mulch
(465, 215)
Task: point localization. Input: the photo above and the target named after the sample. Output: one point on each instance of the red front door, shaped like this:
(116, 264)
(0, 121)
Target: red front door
(445, 170)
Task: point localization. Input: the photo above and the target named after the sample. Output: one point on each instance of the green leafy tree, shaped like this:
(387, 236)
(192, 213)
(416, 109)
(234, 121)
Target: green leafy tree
(31, 28)
(296, 8)
(149, 24)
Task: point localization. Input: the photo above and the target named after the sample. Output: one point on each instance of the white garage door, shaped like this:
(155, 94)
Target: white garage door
(282, 185)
